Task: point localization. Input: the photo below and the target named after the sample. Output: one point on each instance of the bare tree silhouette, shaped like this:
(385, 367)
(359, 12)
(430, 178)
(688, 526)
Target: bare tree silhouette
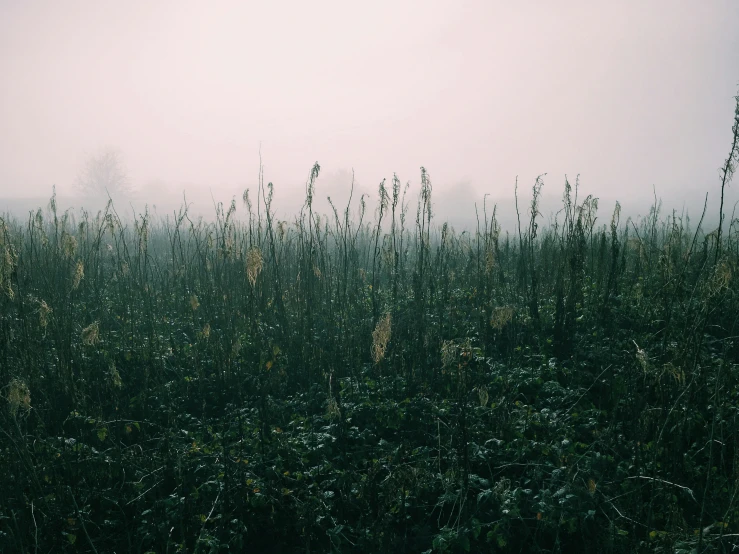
(104, 174)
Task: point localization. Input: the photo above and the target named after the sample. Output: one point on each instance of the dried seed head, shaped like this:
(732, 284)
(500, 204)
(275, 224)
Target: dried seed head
(229, 245)
(143, 237)
(69, 246)
(721, 277)
(91, 334)
(333, 408)
(641, 356)
(236, 348)
(114, 377)
(44, 311)
(8, 261)
(501, 317)
(79, 274)
(380, 338)
(489, 261)
(205, 333)
(448, 353)
(482, 395)
(19, 396)
(194, 304)
(592, 486)
(10, 257)
(254, 264)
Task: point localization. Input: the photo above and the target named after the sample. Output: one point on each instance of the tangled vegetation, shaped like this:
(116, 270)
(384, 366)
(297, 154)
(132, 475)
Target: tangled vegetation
(337, 385)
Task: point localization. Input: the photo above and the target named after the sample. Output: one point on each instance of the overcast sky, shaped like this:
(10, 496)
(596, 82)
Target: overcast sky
(627, 94)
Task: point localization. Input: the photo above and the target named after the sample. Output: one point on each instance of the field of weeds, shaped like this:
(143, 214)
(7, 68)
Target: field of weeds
(368, 382)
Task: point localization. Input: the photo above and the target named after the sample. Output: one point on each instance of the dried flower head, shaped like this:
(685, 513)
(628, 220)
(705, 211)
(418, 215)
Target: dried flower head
(592, 486)
(114, 378)
(44, 311)
(69, 246)
(281, 230)
(482, 395)
(19, 396)
(194, 304)
(448, 352)
(254, 264)
(489, 261)
(229, 243)
(333, 408)
(380, 338)
(8, 261)
(721, 277)
(91, 334)
(501, 317)
(79, 274)
(641, 356)
(236, 348)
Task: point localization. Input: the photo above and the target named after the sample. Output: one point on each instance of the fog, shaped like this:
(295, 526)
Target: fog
(634, 97)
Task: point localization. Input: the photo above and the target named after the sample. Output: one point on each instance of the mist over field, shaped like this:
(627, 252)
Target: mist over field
(437, 277)
(630, 97)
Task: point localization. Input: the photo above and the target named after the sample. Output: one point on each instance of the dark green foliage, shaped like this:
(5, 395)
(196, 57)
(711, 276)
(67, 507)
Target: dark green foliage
(330, 385)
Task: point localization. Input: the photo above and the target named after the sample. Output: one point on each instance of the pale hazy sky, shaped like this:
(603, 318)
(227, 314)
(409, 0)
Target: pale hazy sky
(627, 94)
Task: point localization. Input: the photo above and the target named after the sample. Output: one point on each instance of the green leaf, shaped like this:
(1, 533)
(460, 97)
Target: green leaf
(102, 433)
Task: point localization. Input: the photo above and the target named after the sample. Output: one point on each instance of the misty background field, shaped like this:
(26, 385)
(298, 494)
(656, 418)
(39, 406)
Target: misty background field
(498, 314)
